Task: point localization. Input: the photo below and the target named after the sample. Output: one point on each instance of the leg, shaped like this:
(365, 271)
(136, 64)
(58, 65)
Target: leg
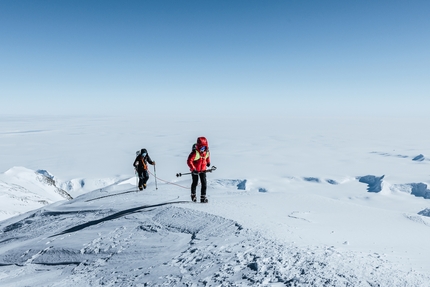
(145, 178)
(140, 174)
(195, 178)
(203, 181)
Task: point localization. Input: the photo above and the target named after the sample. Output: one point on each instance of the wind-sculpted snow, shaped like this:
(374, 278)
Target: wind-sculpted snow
(331, 181)
(425, 212)
(318, 180)
(166, 245)
(418, 189)
(374, 183)
(420, 218)
(242, 185)
(312, 179)
(419, 157)
(390, 154)
(238, 183)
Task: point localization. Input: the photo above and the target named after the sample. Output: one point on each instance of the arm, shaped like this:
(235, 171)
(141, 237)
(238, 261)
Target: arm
(208, 160)
(190, 161)
(149, 160)
(135, 163)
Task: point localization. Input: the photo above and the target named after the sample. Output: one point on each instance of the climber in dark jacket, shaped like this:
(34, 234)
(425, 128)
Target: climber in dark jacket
(141, 166)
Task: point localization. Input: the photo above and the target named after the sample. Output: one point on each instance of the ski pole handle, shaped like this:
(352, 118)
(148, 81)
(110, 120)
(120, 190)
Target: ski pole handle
(211, 169)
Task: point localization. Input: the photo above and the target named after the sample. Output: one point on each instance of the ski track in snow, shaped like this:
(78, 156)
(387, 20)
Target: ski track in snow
(170, 245)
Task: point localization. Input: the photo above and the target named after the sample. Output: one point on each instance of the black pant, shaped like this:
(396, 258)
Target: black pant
(143, 177)
(195, 177)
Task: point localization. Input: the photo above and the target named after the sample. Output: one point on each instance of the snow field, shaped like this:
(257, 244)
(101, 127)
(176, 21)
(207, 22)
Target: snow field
(294, 202)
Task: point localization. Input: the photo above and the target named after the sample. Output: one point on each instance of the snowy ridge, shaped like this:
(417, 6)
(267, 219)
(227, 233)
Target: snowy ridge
(49, 180)
(80, 186)
(23, 189)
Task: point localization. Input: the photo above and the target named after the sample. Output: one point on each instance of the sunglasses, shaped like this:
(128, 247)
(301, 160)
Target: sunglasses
(203, 148)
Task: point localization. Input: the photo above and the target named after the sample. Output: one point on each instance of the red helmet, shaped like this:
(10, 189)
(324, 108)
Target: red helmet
(202, 142)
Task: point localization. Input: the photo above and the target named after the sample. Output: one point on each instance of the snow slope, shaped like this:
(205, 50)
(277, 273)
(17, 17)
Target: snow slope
(120, 237)
(294, 202)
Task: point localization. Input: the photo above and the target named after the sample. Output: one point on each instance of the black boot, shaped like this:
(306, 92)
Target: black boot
(203, 199)
(193, 197)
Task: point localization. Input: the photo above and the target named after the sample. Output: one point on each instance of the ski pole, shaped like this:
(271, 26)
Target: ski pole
(135, 172)
(205, 171)
(155, 175)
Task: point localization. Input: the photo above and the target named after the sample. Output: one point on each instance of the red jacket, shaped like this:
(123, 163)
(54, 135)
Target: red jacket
(198, 160)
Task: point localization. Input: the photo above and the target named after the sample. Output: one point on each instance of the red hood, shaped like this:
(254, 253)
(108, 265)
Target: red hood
(201, 141)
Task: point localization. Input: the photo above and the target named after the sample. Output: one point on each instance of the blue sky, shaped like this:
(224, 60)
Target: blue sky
(265, 57)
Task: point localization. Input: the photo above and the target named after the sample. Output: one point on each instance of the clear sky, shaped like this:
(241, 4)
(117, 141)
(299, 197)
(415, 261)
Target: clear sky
(286, 57)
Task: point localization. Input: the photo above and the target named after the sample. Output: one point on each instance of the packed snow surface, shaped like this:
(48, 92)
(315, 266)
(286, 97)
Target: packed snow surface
(293, 202)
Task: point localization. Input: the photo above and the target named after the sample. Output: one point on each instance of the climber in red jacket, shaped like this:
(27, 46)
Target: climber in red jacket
(198, 160)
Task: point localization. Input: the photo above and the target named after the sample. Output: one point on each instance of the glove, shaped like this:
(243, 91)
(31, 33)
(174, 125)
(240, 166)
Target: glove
(153, 162)
(208, 164)
(195, 172)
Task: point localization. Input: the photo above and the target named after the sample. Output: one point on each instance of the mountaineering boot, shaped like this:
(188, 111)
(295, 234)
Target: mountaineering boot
(193, 197)
(144, 185)
(140, 187)
(203, 199)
